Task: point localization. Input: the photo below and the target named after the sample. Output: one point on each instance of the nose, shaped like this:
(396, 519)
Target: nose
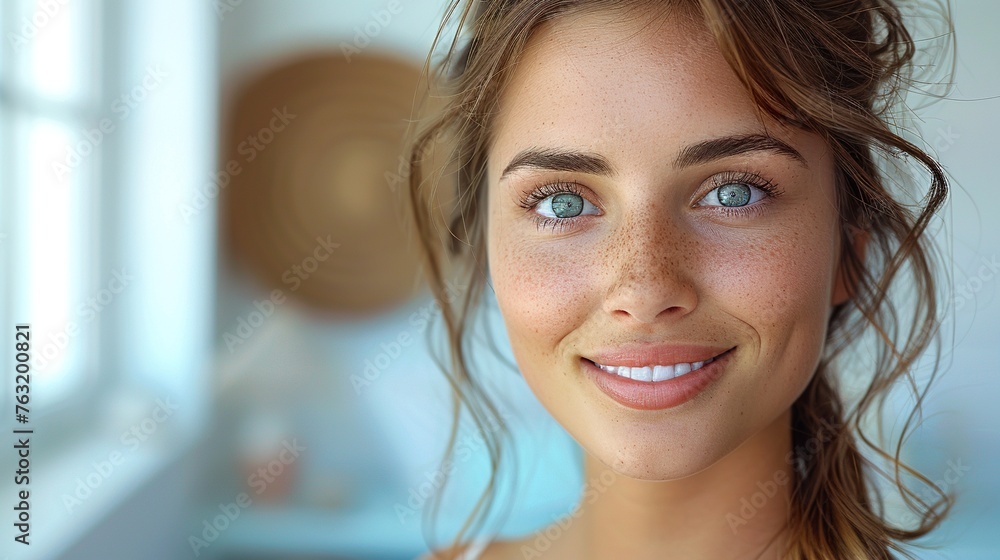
(651, 272)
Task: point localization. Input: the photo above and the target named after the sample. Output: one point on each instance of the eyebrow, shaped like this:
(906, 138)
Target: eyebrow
(726, 146)
(558, 159)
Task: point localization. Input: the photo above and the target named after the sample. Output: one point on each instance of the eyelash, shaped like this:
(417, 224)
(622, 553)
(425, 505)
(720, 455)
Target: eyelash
(771, 191)
(751, 179)
(532, 198)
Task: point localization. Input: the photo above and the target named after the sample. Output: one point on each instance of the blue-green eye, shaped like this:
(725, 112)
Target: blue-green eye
(564, 205)
(733, 195)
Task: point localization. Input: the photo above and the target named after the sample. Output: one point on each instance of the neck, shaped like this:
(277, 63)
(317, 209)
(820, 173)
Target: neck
(737, 508)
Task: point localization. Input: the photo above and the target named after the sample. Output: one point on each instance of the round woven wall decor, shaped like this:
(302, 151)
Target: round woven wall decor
(317, 207)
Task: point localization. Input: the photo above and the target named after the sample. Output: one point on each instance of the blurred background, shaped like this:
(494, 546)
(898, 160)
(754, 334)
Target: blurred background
(231, 343)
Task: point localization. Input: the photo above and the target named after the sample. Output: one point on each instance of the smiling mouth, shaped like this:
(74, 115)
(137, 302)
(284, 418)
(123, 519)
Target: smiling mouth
(658, 372)
(657, 386)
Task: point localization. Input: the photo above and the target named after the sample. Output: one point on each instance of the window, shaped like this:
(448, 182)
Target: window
(50, 165)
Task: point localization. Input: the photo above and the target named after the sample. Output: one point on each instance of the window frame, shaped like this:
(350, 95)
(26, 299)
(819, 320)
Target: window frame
(75, 412)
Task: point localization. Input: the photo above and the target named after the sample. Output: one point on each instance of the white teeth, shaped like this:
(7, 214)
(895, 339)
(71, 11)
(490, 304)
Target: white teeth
(656, 372)
(661, 373)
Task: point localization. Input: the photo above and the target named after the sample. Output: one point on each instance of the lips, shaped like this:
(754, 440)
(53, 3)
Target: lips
(648, 394)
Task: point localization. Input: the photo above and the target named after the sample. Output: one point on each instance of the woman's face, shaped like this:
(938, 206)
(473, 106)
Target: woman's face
(642, 214)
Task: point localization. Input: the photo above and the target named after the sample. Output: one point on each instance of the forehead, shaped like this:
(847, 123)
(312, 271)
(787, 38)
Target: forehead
(625, 86)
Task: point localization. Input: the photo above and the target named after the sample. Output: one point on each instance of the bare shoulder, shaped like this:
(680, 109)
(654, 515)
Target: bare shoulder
(496, 550)
(500, 550)
(503, 550)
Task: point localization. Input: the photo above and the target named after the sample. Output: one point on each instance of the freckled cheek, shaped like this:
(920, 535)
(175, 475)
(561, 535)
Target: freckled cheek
(541, 289)
(779, 287)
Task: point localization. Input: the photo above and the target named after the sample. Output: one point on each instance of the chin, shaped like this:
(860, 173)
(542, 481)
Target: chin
(649, 454)
(657, 468)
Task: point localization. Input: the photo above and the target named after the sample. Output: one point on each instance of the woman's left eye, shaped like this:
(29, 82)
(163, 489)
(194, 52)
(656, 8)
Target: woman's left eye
(733, 195)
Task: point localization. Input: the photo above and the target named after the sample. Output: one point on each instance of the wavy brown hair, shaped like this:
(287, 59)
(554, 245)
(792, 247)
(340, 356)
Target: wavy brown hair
(837, 68)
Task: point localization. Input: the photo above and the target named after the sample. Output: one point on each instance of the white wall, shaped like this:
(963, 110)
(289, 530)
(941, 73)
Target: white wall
(258, 32)
(961, 410)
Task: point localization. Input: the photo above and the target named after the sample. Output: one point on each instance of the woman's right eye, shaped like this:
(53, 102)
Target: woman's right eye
(565, 205)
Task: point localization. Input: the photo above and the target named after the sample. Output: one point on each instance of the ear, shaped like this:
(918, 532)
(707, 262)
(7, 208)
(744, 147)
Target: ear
(843, 289)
